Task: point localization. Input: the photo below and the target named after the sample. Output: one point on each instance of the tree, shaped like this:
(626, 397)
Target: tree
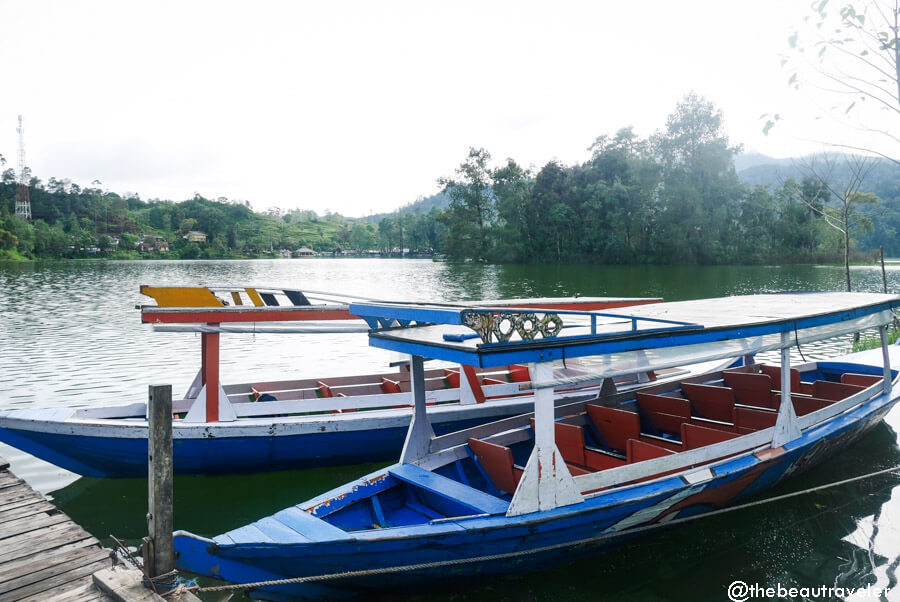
(187, 225)
(850, 54)
(471, 211)
(846, 188)
(512, 187)
(699, 201)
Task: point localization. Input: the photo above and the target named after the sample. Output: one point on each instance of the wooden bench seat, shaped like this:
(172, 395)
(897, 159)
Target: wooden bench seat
(709, 401)
(614, 426)
(694, 435)
(797, 385)
(480, 502)
(826, 389)
(860, 380)
(806, 405)
(497, 462)
(752, 389)
(748, 420)
(663, 414)
(638, 451)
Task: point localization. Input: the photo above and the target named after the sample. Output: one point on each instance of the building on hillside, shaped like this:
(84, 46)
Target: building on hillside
(195, 236)
(304, 252)
(149, 243)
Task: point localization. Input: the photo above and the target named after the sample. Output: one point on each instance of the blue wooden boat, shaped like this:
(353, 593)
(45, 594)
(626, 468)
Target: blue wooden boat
(274, 425)
(539, 488)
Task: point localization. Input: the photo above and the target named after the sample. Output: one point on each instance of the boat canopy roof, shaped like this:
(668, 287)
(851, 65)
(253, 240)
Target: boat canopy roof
(638, 338)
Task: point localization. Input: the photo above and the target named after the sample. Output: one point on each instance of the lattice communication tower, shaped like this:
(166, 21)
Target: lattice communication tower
(23, 200)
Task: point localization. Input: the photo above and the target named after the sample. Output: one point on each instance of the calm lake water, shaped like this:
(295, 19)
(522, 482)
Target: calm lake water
(70, 336)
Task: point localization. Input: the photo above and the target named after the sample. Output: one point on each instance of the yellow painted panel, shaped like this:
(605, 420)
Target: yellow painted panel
(236, 296)
(254, 296)
(182, 296)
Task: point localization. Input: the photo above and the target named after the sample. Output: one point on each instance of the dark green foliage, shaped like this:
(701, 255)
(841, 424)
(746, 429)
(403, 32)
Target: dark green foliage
(674, 198)
(70, 221)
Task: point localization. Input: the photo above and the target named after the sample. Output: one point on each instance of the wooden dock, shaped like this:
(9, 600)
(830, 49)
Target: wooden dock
(44, 555)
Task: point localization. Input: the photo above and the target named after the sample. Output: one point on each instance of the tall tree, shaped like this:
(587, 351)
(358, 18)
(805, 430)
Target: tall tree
(700, 194)
(512, 187)
(846, 187)
(471, 211)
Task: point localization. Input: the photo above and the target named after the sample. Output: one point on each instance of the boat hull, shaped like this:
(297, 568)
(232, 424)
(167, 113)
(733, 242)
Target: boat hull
(118, 449)
(499, 545)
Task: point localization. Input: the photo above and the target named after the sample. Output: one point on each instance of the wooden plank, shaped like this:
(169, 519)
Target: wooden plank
(44, 555)
(51, 582)
(82, 589)
(430, 481)
(16, 498)
(9, 480)
(126, 585)
(49, 555)
(50, 567)
(35, 507)
(31, 568)
(19, 545)
(31, 523)
(36, 545)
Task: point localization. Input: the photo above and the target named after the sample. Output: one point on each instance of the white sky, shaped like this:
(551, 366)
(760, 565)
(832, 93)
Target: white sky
(359, 106)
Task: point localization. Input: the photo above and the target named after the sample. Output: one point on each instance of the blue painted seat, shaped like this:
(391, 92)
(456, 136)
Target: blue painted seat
(291, 525)
(479, 501)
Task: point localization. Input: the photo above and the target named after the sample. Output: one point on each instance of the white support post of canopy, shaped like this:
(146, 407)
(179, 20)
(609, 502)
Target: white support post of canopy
(886, 355)
(786, 427)
(224, 410)
(420, 433)
(546, 482)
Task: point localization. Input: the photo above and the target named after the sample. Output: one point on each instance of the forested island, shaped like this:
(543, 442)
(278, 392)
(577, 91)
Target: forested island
(674, 197)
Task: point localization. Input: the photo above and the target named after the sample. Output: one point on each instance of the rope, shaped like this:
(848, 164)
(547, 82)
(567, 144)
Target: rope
(505, 555)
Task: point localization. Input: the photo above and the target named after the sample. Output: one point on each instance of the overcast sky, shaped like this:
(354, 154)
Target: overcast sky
(358, 107)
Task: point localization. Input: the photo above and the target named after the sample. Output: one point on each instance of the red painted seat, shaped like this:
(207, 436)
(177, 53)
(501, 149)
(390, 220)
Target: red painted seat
(390, 386)
(774, 373)
(497, 462)
(665, 414)
(615, 426)
(860, 380)
(750, 388)
(452, 378)
(518, 373)
(694, 436)
(711, 402)
(748, 420)
(807, 405)
(826, 389)
(638, 451)
(570, 442)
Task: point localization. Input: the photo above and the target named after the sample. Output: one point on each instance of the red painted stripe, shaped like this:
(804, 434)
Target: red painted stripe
(154, 316)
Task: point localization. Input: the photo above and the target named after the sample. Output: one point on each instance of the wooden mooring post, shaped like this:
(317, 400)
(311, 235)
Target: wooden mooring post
(158, 549)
